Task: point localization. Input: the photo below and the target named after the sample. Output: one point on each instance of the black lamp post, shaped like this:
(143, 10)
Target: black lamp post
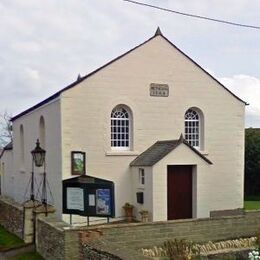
(38, 159)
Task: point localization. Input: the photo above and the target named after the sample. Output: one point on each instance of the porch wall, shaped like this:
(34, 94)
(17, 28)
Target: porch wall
(202, 185)
(147, 190)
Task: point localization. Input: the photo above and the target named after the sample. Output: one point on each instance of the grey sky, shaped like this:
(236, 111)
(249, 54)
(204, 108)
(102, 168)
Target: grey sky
(45, 44)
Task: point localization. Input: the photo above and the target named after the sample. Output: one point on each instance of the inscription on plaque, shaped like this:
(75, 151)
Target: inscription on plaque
(159, 90)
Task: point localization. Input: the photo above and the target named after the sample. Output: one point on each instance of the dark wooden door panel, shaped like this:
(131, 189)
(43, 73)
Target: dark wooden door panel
(179, 191)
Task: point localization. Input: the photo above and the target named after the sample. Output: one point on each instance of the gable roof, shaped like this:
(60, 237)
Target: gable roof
(80, 79)
(160, 149)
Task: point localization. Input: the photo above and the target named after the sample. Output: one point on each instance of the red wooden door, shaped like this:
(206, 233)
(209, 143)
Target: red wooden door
(179, 191)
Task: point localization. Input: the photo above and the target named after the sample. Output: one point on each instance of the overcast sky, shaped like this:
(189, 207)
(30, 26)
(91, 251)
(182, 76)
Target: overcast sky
(44, 45)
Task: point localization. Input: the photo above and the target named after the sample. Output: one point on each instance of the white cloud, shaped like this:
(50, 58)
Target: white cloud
(43, 47)
(247, 88)
(26, 46)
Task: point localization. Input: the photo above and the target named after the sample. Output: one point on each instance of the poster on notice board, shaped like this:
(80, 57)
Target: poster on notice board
(75, 198)
(103, 206)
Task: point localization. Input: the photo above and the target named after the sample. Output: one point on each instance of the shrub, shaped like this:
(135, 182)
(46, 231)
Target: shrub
(128, 205)
(257, 242)
(254, 255)
(201, 251)
(180, 249)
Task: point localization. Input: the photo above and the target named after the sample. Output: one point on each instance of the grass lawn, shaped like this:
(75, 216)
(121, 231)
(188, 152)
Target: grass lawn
(28, 256)
(252, 202)
(252, 205)
(8, 239)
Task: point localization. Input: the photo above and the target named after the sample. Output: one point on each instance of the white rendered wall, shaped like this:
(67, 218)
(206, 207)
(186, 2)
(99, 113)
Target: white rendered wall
(86, 112)
(7, 173)
(147, 189)
(30, 122)
(81, 121)
(202, 197)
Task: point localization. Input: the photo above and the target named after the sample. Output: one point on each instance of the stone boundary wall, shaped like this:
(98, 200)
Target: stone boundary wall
(227, 213)
(11, 216)
(57, 240)
(8, 253)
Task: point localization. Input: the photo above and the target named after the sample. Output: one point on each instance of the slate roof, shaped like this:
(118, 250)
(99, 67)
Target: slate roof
(80, 79)
(7, 147)
(160, 149)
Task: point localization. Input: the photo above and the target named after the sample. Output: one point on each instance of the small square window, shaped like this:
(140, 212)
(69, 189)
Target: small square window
(141, 176)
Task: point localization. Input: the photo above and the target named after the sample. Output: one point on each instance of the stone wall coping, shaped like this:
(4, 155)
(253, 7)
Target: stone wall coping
(53, 222)
(156, 223)
(31, 204)
(252, 211)
(11, 202)
(63, 226)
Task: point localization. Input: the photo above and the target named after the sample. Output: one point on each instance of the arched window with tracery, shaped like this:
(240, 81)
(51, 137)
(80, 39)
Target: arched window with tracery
(193, 128)
(121, 128)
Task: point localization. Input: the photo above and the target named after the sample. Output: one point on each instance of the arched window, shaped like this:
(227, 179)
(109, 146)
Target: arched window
(193, 128)
(42, 132)
(120, 128)
(21, 146)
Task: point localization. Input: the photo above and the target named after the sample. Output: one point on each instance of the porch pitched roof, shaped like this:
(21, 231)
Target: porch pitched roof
(160, 149)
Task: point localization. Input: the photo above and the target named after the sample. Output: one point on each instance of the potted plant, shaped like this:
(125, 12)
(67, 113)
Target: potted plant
(144, 215)
(128, 211)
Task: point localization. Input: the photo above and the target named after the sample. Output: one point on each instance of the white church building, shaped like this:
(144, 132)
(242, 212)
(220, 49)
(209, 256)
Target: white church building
(152, 121)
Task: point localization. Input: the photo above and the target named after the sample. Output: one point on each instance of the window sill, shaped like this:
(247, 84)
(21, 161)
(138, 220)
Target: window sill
(122, 153)
(204, 152)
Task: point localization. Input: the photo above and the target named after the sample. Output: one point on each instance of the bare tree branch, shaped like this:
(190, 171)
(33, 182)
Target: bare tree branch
(6, 131)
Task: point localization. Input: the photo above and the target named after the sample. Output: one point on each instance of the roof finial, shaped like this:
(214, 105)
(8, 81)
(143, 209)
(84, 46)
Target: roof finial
(158, 32)
(79, 77)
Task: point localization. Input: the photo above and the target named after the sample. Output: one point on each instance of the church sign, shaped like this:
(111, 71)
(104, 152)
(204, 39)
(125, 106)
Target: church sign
(159, 90)
(88, 196)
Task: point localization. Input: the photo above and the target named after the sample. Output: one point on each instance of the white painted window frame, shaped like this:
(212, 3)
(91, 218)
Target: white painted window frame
(120, 125)
(192, 128)
(141, 172)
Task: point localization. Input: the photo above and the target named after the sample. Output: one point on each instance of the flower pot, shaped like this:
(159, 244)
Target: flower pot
(128, 213)
(144, 216)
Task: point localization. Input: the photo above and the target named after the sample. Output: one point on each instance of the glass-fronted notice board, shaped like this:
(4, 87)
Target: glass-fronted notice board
(88, 196)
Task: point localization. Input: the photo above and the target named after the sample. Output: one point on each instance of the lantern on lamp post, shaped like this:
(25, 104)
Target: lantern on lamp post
(38, 155)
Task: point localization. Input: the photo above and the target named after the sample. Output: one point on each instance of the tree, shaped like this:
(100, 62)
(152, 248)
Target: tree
(252, 161)
(6, 133)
